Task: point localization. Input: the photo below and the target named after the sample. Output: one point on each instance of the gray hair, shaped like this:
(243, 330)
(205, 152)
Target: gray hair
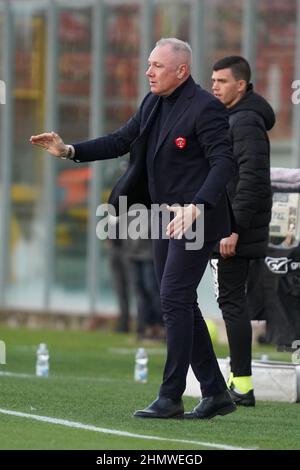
(179, 47)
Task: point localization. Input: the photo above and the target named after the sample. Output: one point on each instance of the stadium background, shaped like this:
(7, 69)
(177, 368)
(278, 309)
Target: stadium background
(77, 67)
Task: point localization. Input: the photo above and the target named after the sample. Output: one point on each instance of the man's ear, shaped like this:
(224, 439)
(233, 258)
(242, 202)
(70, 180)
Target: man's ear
(181, 71)
(242, 86)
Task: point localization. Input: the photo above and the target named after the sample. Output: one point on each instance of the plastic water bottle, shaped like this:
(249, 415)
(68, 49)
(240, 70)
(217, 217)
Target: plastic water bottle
(264, 358)
(141, 366)
(42, 361)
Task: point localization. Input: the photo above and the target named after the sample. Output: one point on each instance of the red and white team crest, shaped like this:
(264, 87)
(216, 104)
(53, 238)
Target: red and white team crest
(180, 142)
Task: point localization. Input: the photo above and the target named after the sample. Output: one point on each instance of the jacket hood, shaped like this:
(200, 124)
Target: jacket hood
(251, 101)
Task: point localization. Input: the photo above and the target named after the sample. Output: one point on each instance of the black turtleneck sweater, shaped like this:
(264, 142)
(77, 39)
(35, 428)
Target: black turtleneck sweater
(164, 109)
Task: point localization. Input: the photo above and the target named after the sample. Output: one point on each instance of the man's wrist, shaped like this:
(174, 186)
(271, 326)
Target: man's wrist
(195, 210)
(68, 153)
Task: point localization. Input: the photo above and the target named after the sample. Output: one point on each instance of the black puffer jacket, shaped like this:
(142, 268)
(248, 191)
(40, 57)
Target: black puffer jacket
(250, 190)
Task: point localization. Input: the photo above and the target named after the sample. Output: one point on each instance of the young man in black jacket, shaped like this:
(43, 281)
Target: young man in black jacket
(250, 117)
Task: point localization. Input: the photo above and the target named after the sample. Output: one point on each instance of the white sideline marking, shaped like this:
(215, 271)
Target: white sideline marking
(20, 375)
(132, 351)
(16, 374)
(88, 427)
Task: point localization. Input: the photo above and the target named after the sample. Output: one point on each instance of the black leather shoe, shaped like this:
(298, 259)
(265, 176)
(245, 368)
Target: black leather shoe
(243, 399)
(162, 408)
(212, 406)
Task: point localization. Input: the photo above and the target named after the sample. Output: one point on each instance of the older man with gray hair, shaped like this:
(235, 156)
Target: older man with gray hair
(180, 156)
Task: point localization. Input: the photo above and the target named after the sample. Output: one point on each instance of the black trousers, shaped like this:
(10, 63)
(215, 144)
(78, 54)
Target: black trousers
(179, 272)
(230, 276)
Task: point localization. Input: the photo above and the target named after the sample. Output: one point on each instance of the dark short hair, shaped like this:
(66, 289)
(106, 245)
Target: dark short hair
(239, 67)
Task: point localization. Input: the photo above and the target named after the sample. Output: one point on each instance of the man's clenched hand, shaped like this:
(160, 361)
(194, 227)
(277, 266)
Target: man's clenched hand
(228, 245)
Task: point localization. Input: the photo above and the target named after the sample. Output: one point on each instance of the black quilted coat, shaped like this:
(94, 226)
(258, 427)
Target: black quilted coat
(250, 190)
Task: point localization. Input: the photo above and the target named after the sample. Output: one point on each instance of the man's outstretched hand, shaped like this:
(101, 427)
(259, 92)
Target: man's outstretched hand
(51, 142)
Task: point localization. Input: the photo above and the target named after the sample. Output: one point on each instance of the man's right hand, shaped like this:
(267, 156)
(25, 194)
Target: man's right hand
(228, 245)
(51, 142)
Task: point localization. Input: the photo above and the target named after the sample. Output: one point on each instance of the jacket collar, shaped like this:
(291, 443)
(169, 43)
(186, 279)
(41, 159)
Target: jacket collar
(150, 119)
(182, 103)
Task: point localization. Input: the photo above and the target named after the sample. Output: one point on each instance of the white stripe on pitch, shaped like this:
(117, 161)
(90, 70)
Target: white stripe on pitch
(20, 375)
(88, 427)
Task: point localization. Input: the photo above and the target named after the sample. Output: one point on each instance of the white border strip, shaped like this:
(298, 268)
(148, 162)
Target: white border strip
(88, 427)
(20, 375)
